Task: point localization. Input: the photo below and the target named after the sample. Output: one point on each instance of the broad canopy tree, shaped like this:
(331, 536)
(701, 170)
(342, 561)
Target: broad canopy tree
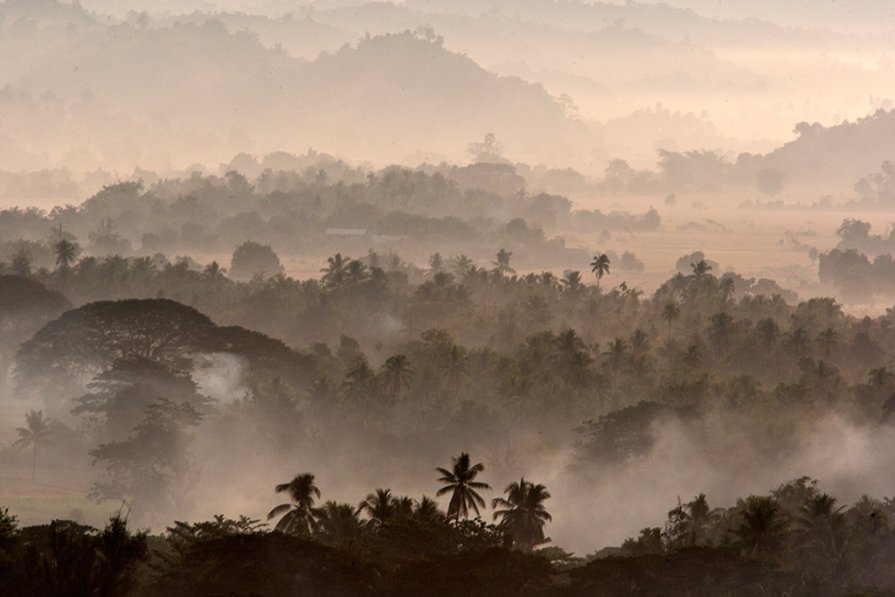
(80, 344)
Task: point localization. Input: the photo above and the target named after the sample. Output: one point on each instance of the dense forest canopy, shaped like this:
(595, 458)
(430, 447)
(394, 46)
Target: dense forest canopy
(530, 297)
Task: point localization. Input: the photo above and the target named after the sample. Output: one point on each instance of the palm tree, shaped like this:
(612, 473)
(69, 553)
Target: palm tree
(339, 522)
(726, 289)
(701, 268)
(360, 379)
(670, 313)
(396, 374)
(880, 377)
(523, 514)
(356, 272)
(298, 516)
(768, 332)
(213, 271)
(461, 483)
(36, 430)
(21, 263)
(600, 266)
(380, 506)
(335, 272)
(721, 329)
(617, 353)
(828, 339)
(502, 263)
(571, 281)
(404, 506)
(797, 342)
(821, 529)
(66, 252)
(762, 528)
(462, 264)
(700, 515)
(426, 509)
(455, 364)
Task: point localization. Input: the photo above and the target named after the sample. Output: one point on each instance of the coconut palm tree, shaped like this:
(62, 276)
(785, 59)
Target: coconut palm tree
(726, 290)
(36, 429)
(381, 506)
(670, 314)
(339, 522)
(336, 270)
(768, 332)
(360, 379)
(762, 528)
(426, 509)
(502, 263)
(396, 374)
(461, 484)
(298, 516)
(880, 377)
(700, 514)
(436, 263)
(462, 264)
(721, 330)
(617, 353)
(66, 252)
(356, 272)
(404, 506)
(571, 281)
(828, 339)
(701, 268)
(797, 342)
(600, 266)
(822, 531)
(522, 513)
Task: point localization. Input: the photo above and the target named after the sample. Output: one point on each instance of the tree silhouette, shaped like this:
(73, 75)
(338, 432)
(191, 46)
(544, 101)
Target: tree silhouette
(396, 374)
(426, 509)
(701, 268)
(461, 484)
(298, 516)
(20, 265)
(462, 265)
(600, 266)
(252, 259)
(670, 313)
(522, 513)
(768, 332)
(762, 528)
(381, 506)
(336, 271)
(66, 253)
(502, 263)
(571, 281)
(151, 469)
(339, 522)
(36, 429)
(828, 339)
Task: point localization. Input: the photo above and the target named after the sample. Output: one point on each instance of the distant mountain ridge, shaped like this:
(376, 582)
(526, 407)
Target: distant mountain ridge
(385, 98)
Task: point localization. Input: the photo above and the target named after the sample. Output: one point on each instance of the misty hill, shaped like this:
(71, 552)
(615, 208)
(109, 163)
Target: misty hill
(844, 152)
(679, 57)
(193, 87)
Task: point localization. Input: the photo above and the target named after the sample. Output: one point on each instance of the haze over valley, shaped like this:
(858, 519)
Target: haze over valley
(542, 297)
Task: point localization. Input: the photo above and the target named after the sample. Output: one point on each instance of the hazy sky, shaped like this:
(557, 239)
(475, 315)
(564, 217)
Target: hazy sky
(855, 15)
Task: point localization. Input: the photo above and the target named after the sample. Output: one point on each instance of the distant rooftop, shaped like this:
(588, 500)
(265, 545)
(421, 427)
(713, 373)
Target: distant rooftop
(346, 231)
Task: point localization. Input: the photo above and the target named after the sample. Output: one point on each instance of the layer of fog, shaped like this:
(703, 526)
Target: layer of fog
(708, 76)
(591, 509)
